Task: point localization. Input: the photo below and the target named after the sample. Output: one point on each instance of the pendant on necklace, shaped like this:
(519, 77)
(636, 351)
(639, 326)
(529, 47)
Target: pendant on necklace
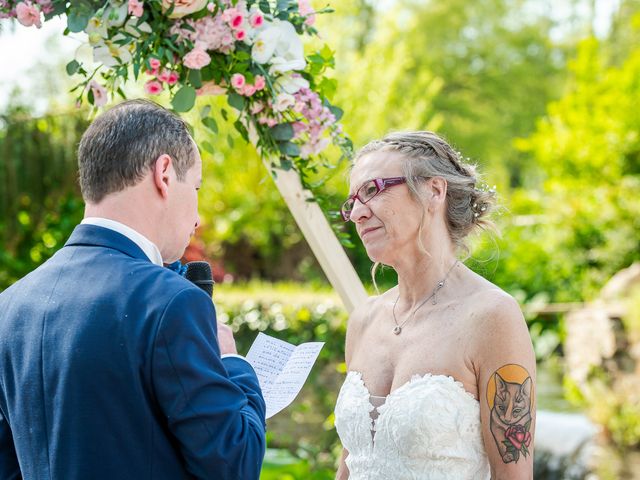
(397, 329)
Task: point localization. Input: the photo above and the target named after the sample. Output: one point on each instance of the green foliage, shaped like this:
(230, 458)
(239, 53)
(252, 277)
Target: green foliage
(581, 225)
(39, 197)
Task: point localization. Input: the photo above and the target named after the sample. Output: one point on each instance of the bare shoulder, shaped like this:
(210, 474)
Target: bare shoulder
(360, 320)
(499, 324)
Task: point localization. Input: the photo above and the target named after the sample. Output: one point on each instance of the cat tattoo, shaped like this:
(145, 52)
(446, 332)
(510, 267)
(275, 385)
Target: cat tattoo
(511, 417)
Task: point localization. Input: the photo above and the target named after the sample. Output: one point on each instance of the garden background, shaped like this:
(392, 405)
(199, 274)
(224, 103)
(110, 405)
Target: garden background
(543, 95)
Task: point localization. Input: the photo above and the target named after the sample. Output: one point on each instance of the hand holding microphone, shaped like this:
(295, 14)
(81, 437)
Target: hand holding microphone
(200, 274)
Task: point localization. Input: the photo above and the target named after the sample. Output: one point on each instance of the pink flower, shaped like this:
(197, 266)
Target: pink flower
(196, 59)
(236, 21)
(211, 6)
(154, 63)
(306, 10)
(256, 108)
(46, 6)
(298, 128)
(259, 82)
(135, 8)
(164, 76)
(99, 93)
(229, 13)
(518, 436)
(183, 7)
(173, 78)
(256, 20)
(248, 90)
(28, 14)
(237, 81)
(153, 87)
(211, 88)
(240, 34)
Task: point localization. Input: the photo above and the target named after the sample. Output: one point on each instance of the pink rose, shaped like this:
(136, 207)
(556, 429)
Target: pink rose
(196, 59)
(237, 81)
(256, 20)
(236, 21)
(229, 13)
(517, 435)
(99, 93)
(164, 76)
(259, 82)
(240, 34)
(211, 88)
(28, 14)
(248, 90)
(173, 78)
(154, 63)
(306, 10)
(135, 8)
(183, 7)
(153, 87)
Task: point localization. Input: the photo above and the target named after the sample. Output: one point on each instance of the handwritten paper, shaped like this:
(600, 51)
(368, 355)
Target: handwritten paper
(282, 369)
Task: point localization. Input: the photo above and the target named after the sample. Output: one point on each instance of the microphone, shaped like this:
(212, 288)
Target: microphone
(200, 274)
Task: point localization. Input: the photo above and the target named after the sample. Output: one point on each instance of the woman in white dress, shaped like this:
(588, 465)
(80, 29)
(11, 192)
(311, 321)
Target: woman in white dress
(441, 370)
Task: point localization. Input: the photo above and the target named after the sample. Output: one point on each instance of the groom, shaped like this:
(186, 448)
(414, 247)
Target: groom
(111, 366)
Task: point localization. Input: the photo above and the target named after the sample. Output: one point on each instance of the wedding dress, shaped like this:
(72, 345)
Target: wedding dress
(429, 429)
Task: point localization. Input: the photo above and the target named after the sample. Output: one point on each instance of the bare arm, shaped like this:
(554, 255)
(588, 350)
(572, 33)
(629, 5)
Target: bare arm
(343, 471)
(506, 373)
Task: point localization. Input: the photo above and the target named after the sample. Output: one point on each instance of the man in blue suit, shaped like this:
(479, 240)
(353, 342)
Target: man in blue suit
(111, 366)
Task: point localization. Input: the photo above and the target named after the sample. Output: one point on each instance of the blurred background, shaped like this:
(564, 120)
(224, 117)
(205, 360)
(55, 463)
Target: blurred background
(543, 95)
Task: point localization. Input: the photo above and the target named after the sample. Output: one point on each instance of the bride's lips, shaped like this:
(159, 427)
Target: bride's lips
(368, 230)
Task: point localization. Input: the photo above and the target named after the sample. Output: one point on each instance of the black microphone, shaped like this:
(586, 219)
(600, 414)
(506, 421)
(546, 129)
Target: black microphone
(200, 274)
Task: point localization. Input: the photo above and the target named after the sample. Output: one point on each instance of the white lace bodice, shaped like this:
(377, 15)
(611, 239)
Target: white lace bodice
(427, 429)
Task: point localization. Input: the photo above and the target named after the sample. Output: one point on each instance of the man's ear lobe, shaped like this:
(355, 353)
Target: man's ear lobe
(162, 174)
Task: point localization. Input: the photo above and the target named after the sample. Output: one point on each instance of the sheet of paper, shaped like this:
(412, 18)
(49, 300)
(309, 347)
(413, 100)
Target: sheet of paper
(282, 369)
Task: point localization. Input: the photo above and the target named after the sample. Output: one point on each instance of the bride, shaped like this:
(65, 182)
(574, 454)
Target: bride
(441, 371)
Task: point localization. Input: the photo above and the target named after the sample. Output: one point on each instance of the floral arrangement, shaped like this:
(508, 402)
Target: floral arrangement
(249, 50)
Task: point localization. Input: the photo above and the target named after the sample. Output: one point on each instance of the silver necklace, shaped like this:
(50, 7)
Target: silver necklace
(397, 330)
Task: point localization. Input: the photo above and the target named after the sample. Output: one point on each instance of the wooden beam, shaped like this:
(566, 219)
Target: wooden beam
(321, 239)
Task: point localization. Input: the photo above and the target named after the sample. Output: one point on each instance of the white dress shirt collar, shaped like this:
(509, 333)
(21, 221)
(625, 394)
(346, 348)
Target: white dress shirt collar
(147, 246)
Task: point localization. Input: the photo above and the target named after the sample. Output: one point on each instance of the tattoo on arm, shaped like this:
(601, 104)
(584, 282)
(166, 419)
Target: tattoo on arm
(509, 394)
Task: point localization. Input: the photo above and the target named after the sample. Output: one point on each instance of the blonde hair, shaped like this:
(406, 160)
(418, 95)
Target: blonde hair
(468, 201)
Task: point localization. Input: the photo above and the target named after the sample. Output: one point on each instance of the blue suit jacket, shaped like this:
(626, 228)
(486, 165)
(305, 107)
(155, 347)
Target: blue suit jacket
(110, 369)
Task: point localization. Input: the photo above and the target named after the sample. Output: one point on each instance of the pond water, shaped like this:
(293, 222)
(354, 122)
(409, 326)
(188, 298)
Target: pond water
(563, 429)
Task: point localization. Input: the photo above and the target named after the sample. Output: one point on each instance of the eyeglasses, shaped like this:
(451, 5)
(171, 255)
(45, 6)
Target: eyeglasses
(367, 191)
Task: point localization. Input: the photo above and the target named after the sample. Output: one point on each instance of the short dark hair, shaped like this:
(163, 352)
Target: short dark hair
(122, 144)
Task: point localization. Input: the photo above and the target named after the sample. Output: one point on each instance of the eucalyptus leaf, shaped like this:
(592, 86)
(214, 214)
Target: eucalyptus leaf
(337, 112)
(211, 124)
(208, 147)
(236, 101)
(282, 132)
(289, 149)
(195, 78)
(78, 19)
(72, 67)
(184, 99)
(204, 112)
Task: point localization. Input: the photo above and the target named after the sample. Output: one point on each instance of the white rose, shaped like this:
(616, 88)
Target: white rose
(278, 43)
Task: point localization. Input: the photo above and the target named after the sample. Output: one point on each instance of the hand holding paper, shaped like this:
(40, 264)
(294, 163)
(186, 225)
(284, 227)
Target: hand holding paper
(282, 369)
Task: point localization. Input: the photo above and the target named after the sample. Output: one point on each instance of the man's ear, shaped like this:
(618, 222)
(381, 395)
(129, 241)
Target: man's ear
(162, 169)
(437, 190)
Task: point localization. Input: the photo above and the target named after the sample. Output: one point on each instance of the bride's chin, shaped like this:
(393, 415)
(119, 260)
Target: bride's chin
(376, 255)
